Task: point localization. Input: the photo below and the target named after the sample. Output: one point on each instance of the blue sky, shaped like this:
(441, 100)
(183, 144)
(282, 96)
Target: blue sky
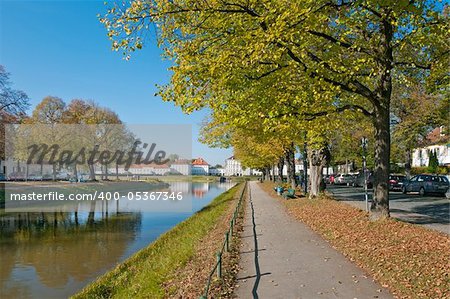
(59, 48)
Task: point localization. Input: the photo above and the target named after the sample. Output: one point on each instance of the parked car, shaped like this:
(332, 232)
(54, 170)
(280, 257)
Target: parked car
(344, 179)
(426, 183)
(359, 180)
(396, 182)
(2, 177)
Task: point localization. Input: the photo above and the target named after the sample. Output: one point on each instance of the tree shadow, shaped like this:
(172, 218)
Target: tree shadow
(437, 213)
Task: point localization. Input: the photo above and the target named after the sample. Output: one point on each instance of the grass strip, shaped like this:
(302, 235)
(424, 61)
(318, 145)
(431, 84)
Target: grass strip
(412, 261)
(145, 273)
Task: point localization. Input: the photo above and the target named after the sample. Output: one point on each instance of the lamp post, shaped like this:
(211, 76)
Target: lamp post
(364, 142)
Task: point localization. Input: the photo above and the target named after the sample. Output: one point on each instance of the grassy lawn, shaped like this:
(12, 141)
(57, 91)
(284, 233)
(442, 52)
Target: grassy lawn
(412, 261)
(147, 273)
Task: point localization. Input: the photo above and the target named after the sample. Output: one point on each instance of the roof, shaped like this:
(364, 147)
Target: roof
(181, 162)
(436, 136)
(199, 161)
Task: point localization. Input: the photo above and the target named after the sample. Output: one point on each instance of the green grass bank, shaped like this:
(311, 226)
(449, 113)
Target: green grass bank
(145, 273)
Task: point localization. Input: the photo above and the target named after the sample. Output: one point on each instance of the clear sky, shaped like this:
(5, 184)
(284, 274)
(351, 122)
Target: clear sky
(59, 48)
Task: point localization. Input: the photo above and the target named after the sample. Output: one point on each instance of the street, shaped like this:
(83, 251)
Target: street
(432, 211)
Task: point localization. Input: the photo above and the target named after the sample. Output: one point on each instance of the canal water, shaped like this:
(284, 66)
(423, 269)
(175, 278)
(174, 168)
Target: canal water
(54, 255)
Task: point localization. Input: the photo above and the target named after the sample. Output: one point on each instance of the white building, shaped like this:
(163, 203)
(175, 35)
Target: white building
(200, 167)
(216, 171)
(439, 143)
(145, 169)
(10, 166)
(181, 167)
(233, 167)
(421, 156)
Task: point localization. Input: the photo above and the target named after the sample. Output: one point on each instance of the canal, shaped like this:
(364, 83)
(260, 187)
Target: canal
(54, 255)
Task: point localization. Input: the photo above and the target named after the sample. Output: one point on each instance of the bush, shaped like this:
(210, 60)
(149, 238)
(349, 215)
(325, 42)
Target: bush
(419, 170)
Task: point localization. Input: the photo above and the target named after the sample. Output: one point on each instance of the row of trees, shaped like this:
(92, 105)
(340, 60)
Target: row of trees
(78, 126)
(284, 74)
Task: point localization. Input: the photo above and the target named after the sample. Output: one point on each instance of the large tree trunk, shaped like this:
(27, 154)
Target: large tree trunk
(280, 169)
(290, 162)
(380, 204)
(318, 159)
(266, 174)
(117, 171)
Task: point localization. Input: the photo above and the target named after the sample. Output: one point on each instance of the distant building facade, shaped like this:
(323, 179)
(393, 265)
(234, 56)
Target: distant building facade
(145, 169)
(200, 167)
(437, 141)
(181, 167)
(233, 167)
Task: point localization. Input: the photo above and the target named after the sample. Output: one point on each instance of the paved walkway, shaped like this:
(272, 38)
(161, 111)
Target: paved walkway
(291, 261)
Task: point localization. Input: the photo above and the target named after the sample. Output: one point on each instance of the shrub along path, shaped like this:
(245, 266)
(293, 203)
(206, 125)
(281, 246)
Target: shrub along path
(291, 261)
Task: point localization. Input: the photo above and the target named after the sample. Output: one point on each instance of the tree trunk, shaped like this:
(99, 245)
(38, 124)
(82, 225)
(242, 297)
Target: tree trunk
(380, 204)
(305, 169)
(91, 172)
(318, 159)
(280, 169)
(54, 171)
(106, 171)
(408, 164)
(117, 171)
(272, 177)
(290, 162)
(27, 169)
(75, 171)
(265, 174)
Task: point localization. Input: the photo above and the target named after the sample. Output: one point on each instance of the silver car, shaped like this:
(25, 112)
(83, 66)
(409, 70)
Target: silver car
(426, 183)
(344, 179)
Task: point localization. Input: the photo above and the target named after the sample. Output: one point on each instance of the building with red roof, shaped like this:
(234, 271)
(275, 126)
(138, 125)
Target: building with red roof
(200, 167)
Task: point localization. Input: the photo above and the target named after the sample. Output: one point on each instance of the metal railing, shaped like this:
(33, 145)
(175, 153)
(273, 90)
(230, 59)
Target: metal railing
(225, 245)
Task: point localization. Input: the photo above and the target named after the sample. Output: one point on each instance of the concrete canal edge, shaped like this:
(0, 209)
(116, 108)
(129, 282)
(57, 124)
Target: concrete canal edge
(178, 263)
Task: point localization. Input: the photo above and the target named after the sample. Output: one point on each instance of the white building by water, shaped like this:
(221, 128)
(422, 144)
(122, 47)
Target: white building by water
(200, 167)
(181, 167)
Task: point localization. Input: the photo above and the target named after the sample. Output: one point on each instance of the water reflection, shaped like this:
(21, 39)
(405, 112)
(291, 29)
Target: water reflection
(55, 254)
